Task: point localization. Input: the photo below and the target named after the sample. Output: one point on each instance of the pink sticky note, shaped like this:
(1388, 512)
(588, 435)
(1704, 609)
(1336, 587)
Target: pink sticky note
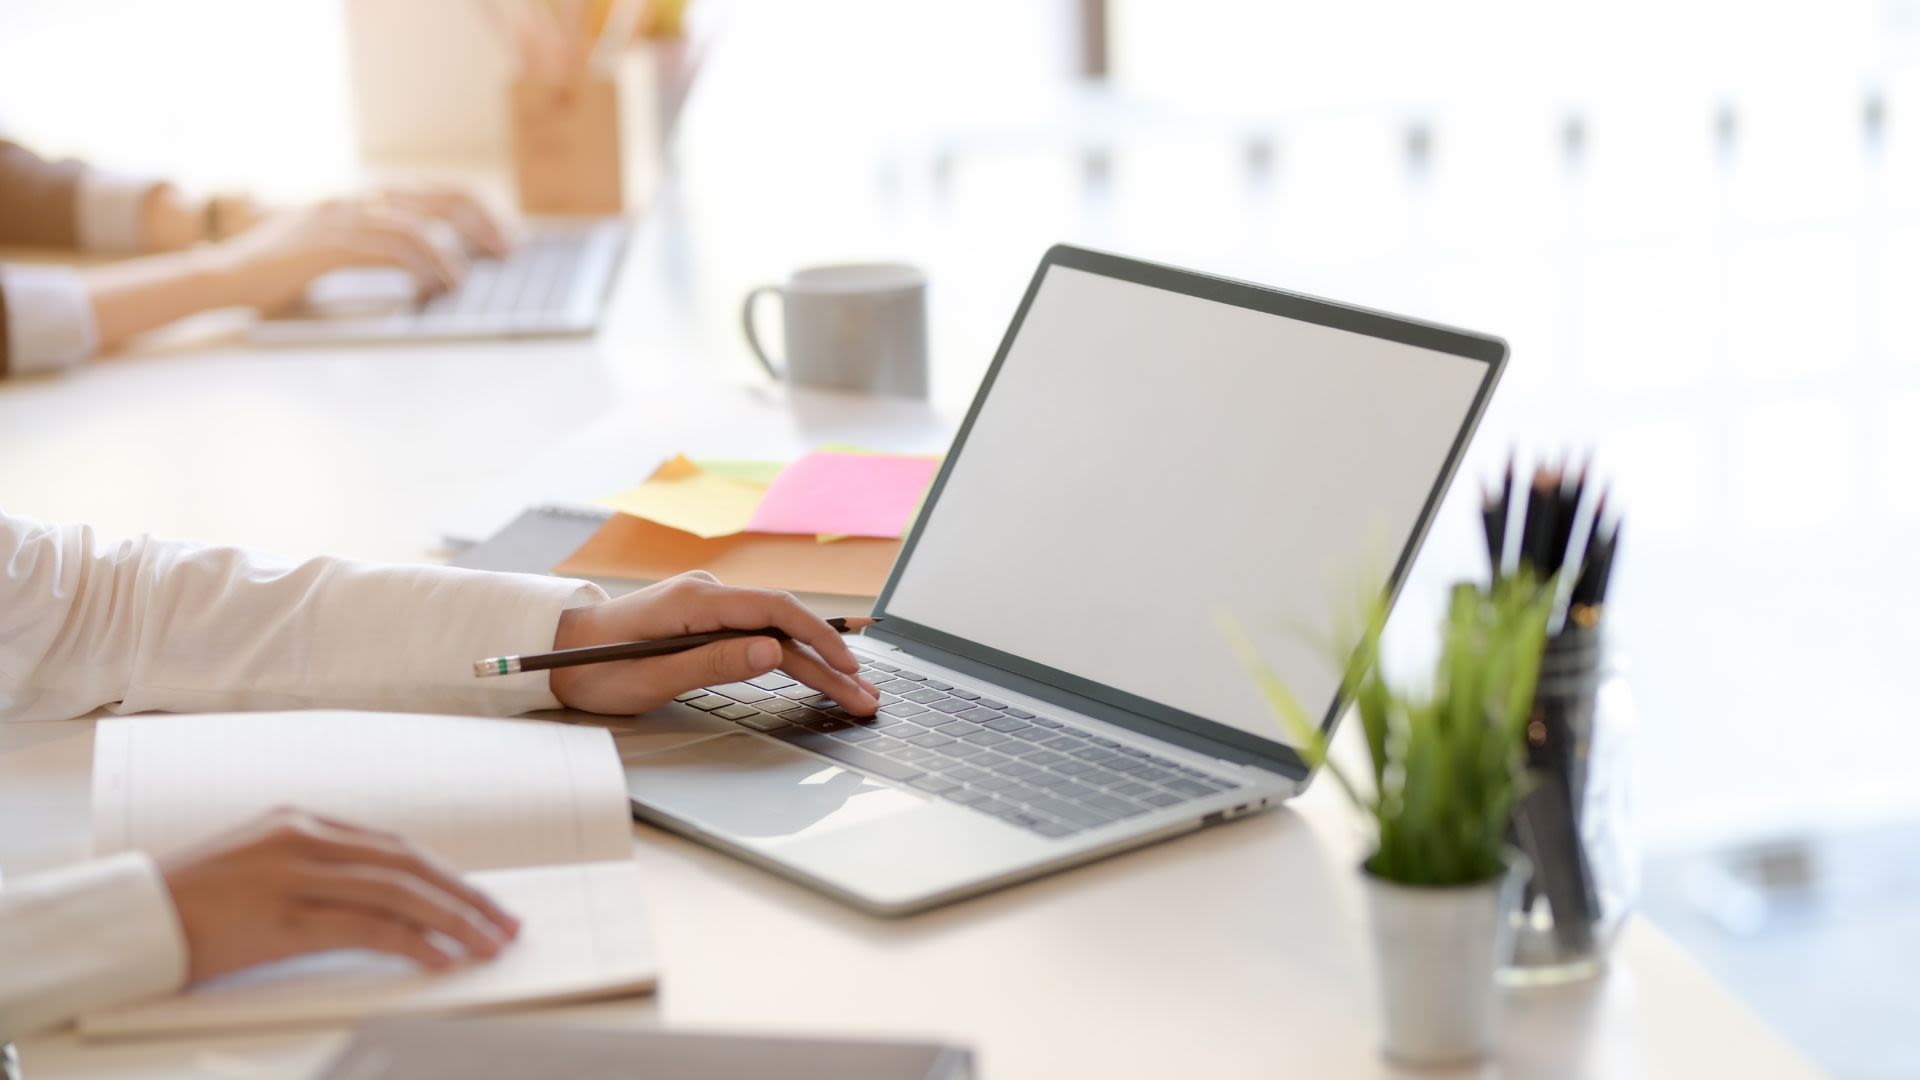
(847, 494)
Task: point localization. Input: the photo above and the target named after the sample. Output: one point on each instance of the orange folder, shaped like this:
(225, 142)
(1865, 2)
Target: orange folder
(636, 549)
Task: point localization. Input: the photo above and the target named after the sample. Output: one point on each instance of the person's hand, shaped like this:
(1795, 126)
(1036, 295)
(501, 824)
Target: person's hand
(291, 883)
(270, 264)
(695, 603)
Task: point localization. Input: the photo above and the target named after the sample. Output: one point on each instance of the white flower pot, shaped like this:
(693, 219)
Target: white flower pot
(1436, 951)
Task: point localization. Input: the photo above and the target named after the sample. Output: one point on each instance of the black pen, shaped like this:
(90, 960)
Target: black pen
(640, 650)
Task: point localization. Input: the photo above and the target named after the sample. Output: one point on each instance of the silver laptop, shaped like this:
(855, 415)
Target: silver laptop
(1151, 447)
(553, 284)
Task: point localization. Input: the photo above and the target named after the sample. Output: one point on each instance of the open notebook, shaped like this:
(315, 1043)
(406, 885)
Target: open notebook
(536, 812)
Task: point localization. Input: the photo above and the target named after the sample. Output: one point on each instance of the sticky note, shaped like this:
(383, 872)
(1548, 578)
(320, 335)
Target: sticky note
(753, 472)
(872, 495)
(682, 495)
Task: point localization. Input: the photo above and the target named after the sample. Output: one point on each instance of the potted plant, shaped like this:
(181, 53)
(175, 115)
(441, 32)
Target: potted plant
(1445, 768)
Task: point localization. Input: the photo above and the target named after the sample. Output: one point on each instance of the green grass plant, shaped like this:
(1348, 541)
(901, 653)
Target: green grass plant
(1446, 762)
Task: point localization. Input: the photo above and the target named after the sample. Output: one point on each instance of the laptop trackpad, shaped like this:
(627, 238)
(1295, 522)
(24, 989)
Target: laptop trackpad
(759, 789)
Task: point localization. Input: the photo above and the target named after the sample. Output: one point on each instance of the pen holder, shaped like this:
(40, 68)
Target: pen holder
(566, 146)
(1576, 820)
(597, 143)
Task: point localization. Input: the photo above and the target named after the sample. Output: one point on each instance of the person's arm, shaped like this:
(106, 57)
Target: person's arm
(153, 625)
(147, 624)
(53, 317)
(118, 929)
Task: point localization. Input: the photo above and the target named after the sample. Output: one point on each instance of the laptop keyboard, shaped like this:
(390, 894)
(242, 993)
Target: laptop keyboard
(1042, 774)
(536, 279)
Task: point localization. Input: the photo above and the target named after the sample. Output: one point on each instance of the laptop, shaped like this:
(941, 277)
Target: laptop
(553, 284)
(1150, 447)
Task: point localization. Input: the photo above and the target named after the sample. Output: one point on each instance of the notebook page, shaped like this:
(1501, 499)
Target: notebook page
(582, 935)
(482, 794)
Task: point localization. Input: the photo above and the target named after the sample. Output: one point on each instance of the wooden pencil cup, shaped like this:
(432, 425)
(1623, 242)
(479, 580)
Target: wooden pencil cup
(566, 146)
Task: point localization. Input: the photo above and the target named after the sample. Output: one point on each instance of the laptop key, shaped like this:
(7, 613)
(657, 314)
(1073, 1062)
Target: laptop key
(1045, 757)
(818, 723)
(930, 740)
(1072, 768)
(848, 754)
(1041, 720)
(781, 706)
(1054, 830)
(1179, 784)
(690, 695)
(877, 665)
(934, 784)
(957, 728)
(983, 737)
(992, 704)
(1161, 798)
(978, 715)
(1106, 778)
(797, 692)
(966, 774)
(1006, 723)
(938, 685)
(1021, 714)
(967, 796)
(858, 735)
(1119, 808)
(1062, 742)
(1130, 787)
(964, 694)
(709, 702)
(949, 705)
(910, 676)
(902, 708)
(736, 711)
(897, 686)
(1153, 773)
(1066, 811)
(740, 691)
(925, 696)
(772, 680)
(760, 722)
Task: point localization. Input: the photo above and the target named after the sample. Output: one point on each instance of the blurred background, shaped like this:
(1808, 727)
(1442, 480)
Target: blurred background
(1696, 221)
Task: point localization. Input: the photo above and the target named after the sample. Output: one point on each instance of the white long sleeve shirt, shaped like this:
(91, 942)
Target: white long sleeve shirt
(146, 624)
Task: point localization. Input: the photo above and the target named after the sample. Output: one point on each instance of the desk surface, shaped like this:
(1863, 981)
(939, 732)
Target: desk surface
(1236, 952)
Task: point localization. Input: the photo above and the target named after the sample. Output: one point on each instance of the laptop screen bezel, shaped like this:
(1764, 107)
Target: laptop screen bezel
(1129, 710)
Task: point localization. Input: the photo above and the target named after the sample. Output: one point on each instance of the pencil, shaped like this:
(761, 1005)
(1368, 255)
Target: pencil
(640, 650)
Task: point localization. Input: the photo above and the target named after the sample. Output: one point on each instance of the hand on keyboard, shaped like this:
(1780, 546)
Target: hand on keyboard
(271, 264)
(695, 603)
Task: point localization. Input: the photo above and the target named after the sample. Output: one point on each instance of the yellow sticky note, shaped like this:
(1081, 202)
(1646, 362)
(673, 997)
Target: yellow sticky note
(682, 495)
(753, 472)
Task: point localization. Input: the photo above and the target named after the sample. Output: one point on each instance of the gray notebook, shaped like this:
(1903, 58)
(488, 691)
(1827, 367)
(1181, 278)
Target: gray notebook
(485, 1049)
(536, 541)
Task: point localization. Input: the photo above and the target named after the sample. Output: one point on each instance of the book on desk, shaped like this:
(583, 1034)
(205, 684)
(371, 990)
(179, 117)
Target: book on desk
(535, 813)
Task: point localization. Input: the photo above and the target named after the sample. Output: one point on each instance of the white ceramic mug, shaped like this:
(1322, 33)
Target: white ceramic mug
(854, 327)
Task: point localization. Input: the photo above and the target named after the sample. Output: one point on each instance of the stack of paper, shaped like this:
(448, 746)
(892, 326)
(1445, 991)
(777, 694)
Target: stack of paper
(830, 522)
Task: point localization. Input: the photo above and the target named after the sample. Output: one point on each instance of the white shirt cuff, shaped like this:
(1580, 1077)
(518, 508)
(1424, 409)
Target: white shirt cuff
(109, 209)
(49, 318)
(84, 938)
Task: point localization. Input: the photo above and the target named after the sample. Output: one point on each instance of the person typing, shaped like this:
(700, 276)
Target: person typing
(149, 624)
(194, 256)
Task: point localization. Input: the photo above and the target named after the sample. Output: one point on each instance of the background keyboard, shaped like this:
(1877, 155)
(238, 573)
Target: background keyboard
(1042, 774)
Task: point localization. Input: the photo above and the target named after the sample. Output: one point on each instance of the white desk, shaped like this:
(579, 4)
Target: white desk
(1236, 952)
(1239, 951)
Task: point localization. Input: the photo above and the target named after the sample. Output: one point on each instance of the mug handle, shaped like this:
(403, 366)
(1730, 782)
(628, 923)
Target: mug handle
(753, 338)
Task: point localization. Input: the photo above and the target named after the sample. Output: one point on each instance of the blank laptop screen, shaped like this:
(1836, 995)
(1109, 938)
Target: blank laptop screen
(1144, 458)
